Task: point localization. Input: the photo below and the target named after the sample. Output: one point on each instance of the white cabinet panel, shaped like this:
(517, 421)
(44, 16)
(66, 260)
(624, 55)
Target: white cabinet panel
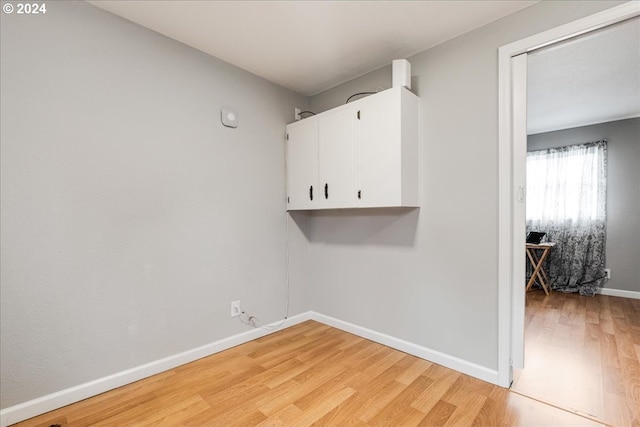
(302, 164)
(388, 147)
(380, 151)
(337, 160)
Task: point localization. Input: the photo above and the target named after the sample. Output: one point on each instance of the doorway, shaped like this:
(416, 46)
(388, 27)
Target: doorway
(577, 348)
(512, 154)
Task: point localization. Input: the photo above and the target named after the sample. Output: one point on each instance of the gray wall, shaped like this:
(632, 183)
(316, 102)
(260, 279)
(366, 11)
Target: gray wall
(623, 192)
(429, 276)
(130, 216)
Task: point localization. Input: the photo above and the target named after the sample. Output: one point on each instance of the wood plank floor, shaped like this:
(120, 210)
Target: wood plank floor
(583, 354)
(310, 374)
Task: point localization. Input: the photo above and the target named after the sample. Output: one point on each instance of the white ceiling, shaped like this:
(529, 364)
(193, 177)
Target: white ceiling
(594, 78)
(311, 46)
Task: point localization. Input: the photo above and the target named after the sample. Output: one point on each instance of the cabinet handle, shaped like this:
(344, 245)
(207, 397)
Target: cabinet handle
(359, 194)
(311, 193)
(326, 191)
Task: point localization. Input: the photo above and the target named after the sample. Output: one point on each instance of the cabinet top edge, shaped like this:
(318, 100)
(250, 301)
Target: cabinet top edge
(354, 104)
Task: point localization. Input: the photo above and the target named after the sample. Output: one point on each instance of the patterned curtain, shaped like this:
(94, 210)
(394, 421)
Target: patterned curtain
(566, 197)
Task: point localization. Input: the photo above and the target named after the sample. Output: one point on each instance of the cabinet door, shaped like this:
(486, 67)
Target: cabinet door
(302, 164)
(337, 160)
(379, 180)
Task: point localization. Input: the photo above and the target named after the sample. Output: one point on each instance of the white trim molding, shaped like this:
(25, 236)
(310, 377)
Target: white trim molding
(41, 405)
(452, 362)
(588, 123)
(507, 197)
(619, 293)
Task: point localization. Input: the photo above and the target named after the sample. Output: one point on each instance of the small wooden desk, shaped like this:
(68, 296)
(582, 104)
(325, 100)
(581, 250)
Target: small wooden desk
(537, 253)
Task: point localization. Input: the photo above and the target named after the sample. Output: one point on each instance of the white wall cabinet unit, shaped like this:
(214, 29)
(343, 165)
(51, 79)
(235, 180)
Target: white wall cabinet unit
(359, 155)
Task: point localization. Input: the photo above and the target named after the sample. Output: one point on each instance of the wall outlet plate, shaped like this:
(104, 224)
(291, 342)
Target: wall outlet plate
(607, 273)
(235, 308)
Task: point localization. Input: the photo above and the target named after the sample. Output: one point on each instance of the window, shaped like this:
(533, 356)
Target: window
(567, 184)
(566, 195)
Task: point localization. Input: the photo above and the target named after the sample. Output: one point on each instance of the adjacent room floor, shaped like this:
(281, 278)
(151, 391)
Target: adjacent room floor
(310, 374)
(582, 354)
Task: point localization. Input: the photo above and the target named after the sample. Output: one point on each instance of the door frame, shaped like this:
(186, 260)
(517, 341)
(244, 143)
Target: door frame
(510, 169)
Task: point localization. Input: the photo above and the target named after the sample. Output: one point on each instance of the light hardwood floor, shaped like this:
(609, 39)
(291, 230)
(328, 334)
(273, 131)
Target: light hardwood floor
(583, 354)
(310, 374)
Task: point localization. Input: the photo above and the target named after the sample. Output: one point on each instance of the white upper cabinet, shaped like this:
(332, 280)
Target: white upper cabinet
(362, 154)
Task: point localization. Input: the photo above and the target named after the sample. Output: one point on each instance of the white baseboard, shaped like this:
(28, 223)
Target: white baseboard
(619, 293)
(65, 397)
(443, 359)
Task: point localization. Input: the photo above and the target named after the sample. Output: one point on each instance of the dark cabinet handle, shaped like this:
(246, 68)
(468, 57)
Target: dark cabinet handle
(326, 191)
(311, 193)
(359, 194)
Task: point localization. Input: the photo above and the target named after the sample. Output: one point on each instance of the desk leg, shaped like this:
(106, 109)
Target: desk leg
(542, 275)
(534, 263)
(538, 271)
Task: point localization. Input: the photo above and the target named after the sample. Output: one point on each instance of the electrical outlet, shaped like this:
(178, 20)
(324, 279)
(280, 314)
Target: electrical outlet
(296, 113)
(607, 273)
(235, 308)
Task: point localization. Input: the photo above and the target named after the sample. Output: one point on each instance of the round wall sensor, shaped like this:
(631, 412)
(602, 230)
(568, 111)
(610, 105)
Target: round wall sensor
(229, 117)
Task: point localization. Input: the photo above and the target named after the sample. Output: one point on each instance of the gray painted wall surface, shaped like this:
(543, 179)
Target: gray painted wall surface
(623, 192)
(429, 276)
(130, 216)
